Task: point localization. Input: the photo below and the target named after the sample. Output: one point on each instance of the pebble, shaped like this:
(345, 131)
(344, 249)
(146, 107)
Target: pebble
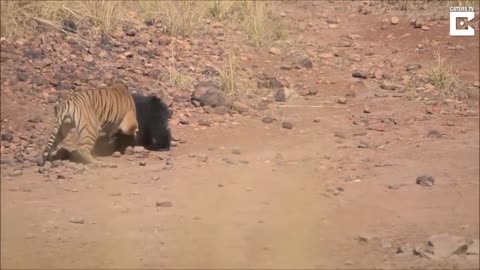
(204, 122)
(163, 204)
(142, 163)
(425, 180)
(360, 74)
(236, 151)
(275, 51)
(394, 20)
(342, 100)
(268, 119)
(77, 220)
(287, 125)
(202, 157)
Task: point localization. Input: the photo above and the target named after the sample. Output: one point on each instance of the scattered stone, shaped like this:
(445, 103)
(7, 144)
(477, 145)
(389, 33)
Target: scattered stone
(287, 125)
(275, 51)
(268, 119)
(118, 34)
(473, 248)
(236, 151)
(283, 94)
(342, 100)
(418, 23)
(367, 110)
(239, 107)
(116, 154)
(404, 250)
(8, 137)
(163, 204)
(22, 76)
(202, 157)
(77, 220)
(425, 28)
(204, 122)
(131, 32)
(445, 245)
(304, 62)
(360, 74)
(221, 110)
(208, 94)
(413, 67)
(142, 163)
(434, 134)
(388, 85)
(425, 180)
(16, 172)
(365, 238)
(129, 150)
(394, 20)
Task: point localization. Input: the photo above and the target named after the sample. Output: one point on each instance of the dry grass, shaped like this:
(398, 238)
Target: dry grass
(178, 79)
(260, 24)
(220, 9)
(20, 17)
(442, 77)
(229, 74)
(178, 17)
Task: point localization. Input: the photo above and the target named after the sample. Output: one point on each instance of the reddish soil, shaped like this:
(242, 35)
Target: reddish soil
(338, 190)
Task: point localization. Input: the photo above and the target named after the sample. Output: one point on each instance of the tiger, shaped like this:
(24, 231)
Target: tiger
(93, 113)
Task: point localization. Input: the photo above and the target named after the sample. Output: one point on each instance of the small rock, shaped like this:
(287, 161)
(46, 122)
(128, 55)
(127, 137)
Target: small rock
(275, 51)
(16, 172)
(413, 67)
(425, 180)
(22, 76)
(434, 134)
(142, 163)
(473, 248)
(367, 110)
(8, 137)
(163, 204)
(221, 110)
(208, 94)
(365, 238)
(239, 107)
(118, 34)
(287, 125)
(268, 119)
(425, 28)
(129, 150)
(116, 154)
(77, 220)
(445, 245)
(202, 158)
(342, 100)
(360, 74)
(404, 250)
(131, 32)
(388, 85)
(204, 122)
(394, 20)
(236, 151)
(418, 23)
(304, 62)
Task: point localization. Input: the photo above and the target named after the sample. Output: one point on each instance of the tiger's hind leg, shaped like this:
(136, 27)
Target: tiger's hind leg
(58, 134)
(86, 144)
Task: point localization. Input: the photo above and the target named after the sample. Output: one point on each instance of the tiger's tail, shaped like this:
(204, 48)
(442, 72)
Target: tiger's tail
(53, 138)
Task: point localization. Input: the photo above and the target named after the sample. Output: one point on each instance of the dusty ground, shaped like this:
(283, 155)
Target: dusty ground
(338, 190)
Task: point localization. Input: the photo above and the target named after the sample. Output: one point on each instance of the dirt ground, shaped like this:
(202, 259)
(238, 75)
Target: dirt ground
(338, 190)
